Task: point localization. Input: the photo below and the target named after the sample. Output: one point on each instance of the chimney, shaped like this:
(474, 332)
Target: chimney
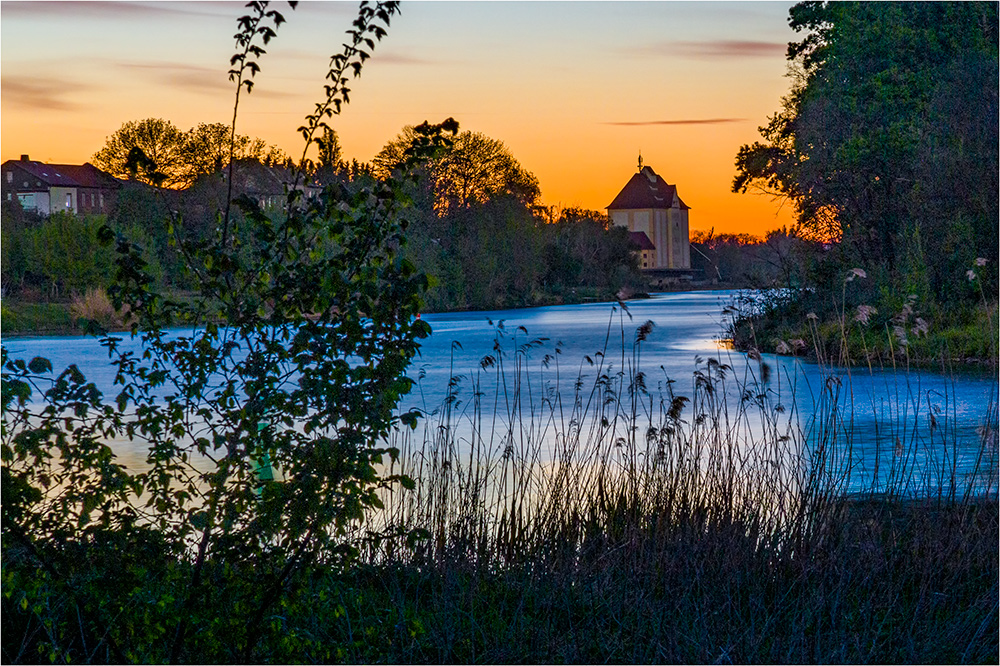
(24, 158)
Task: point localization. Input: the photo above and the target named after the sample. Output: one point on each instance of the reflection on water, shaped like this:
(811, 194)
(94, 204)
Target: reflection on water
(880, 425)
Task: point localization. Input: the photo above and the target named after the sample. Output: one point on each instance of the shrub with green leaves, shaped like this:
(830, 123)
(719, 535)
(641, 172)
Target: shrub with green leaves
(193, 554)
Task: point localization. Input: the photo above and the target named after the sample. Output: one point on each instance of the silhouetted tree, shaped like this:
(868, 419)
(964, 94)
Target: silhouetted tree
(155, 152)
(888, 139)
(473, 171)
(160, 144)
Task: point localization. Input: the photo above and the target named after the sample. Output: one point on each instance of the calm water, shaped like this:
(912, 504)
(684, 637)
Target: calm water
(876, 413)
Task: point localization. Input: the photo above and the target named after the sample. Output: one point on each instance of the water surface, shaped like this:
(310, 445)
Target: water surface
(942, 421)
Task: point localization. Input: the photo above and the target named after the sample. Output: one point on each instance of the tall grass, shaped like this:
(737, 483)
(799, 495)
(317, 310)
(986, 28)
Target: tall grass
(626, 519)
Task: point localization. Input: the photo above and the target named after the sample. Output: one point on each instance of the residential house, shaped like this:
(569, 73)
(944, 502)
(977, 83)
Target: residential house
(267, 185)
(48, 188)
(649, 206)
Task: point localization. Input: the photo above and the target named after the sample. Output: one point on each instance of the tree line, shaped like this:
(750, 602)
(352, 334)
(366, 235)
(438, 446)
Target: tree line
(886, 144)
(781, 258)
(156, 152)
(479, 231)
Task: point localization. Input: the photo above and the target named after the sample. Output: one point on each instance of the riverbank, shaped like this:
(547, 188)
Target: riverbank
(31, 319)
(876, 582)
(20, 319)
(939, 339)
(879, 582)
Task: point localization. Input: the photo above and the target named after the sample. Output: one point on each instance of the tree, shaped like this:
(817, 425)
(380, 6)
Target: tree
(473, 171)
(155, 152)
(209, 147)
(186, 559)
(142, 149)
(62, 254)
(584, 249)
(330, 153)
(331, 165)
(887, 100)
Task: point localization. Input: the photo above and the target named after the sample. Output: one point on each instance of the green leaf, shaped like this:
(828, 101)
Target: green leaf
(199, 520)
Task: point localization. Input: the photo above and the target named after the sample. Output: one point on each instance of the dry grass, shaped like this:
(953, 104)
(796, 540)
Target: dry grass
(95, 306)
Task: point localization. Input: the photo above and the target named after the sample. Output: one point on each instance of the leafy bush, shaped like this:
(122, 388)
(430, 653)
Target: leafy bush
(63, 255)
(264, 436)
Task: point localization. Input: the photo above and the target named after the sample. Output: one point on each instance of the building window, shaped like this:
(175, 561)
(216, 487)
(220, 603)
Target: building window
(10, 177)
(69, 200)
(101, 195)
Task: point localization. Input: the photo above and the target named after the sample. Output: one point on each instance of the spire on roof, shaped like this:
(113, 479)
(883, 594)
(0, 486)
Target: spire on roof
(640, 160)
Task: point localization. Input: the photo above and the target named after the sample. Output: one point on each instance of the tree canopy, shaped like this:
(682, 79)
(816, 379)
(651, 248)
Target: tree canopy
(158, 159)
(156, 152)
(888, 138)
(474, 170)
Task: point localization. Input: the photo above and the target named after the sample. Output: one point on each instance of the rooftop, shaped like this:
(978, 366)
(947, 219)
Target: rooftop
(646, 189)
(640, 239)
(66, 175)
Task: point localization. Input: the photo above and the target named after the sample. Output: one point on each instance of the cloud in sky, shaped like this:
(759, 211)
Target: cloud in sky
(192, 78)
(41, 94)
(189, 77)
(713, 49)
(115, 10)
(691, 121)
(381, 56)
(397, 58)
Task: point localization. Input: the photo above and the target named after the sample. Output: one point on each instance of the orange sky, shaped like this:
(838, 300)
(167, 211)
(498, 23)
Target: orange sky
(575, 90)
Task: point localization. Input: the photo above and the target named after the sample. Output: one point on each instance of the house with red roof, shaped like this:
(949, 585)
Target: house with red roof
(48, 188)
(650, 207)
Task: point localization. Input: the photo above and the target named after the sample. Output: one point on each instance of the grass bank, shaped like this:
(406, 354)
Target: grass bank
(68, 317)
(883, 582)
(786, 323)
(24, 318)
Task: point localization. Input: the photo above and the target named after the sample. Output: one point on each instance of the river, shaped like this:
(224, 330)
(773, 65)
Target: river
(942, 421)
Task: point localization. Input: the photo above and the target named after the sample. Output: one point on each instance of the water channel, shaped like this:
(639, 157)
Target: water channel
(946, 423)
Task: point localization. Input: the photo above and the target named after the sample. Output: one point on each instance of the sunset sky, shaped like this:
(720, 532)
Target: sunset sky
(574, 89)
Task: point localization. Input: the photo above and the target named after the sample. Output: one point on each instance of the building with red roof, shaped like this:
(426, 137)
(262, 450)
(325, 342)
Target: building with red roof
(650, 206)
(49, 188)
